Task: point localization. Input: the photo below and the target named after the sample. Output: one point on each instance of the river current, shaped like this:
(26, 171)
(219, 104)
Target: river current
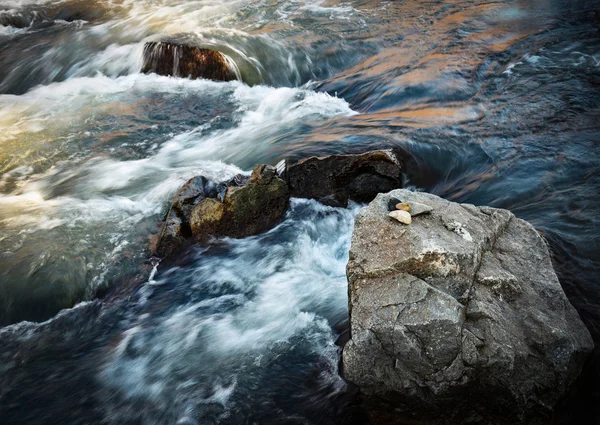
(497, 102)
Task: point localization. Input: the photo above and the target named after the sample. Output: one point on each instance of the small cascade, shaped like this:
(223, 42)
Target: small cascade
(179, 60)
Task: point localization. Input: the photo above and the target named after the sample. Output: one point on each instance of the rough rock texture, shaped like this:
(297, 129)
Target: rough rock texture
(244, 206)
(241, 207)
(458, 317)
(181, 60)
(246, 210)
(337, 178)
(175, 230)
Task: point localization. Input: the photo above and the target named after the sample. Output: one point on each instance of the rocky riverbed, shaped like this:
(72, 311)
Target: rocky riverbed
(456, 313)
(486, 103)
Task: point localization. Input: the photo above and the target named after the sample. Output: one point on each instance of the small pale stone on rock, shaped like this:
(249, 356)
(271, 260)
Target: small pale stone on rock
(417, 208)
(401, 216)
(403, 207)
(417, 346)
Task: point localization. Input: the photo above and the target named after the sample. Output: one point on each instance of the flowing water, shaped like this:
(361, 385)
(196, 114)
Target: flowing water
(498, 103)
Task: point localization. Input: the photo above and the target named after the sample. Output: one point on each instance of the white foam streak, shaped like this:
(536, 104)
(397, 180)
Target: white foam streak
(107, 198)
(18, 4)
(114, 61)
(284, 299)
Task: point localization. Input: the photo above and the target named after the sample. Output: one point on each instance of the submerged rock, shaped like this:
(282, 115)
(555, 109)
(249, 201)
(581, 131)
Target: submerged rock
(457, 318)
(16, 20)
(182, 60)
(336, 179)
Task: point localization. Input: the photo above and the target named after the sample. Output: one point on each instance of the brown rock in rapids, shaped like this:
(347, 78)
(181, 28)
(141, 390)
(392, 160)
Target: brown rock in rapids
(181, 60)
(240, 207)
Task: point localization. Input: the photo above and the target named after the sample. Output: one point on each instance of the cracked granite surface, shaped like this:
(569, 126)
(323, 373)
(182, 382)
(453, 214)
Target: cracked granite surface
(464, 299)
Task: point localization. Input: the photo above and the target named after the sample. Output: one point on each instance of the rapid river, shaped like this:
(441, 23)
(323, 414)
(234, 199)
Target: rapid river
(497, 102)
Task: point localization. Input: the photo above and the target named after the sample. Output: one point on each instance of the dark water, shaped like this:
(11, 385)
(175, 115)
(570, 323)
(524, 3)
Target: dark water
(498, 103)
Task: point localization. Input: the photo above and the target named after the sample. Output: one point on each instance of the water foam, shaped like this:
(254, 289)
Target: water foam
(248, 307)
(102, 206)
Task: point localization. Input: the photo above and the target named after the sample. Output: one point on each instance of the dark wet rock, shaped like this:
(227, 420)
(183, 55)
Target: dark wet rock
(392, 204)
(175, 230)
(248, 205)
(15, 20)
(38, 18)
(172, 236)
(88, 11)
(246, 210)
(194, 191)
(240, 207)
(239, 180)
(333, 201)
(188, 61)
(339, 178)
(457, 318)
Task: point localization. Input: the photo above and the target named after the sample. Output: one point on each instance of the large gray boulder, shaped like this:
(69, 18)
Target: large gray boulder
(457, 317)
